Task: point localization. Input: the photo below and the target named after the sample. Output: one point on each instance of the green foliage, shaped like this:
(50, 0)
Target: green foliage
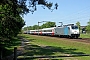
(78, 24)
(10, 24)
(15, 6)
(46, 25)
(88, 27)
(35, 27)
(45, 3)
(8, 50)
(23, 8)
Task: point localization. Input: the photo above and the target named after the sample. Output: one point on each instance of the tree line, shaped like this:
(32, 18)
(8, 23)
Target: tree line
(86, 29)
(45, 25)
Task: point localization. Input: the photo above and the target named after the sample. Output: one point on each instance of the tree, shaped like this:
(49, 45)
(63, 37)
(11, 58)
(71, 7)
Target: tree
(10, 25)
(48, 25)
(24, 8)
(35, 27)
(28, 27)
(78, 24)
(10, 20)
(88, 26)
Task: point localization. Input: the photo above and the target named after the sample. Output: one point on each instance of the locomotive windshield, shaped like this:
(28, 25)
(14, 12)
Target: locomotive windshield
(74, 27)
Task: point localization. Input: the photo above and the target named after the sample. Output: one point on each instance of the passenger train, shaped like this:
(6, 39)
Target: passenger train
(70, 31)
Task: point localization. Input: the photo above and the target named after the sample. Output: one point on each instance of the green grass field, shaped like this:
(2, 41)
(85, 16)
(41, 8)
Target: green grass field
(48, 46)
(85, 35)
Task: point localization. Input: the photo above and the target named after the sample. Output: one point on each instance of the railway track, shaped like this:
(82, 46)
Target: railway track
(85, 40)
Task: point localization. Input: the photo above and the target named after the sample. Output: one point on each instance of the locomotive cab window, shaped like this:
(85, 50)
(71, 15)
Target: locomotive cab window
(74, 27)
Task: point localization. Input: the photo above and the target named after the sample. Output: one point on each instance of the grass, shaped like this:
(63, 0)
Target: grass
(8, 49)
(85, 35)
(43, 46)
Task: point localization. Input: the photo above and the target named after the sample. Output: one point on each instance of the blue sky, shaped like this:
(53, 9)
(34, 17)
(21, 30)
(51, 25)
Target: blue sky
(68, 12)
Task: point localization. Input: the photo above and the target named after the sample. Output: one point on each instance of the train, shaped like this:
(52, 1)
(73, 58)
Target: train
(69, 31)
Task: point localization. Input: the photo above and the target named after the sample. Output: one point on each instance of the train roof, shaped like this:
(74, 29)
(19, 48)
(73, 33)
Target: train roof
(47, 28)
(35, 30)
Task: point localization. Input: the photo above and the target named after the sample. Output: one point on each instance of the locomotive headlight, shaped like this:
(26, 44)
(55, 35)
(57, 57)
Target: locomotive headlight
(76, 32)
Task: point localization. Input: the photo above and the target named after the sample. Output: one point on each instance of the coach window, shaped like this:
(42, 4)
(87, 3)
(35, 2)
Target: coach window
(36, 31)
(44, 30)
(49, 30)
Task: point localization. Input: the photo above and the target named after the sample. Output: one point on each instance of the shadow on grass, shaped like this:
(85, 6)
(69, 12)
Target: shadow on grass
(35, 50)
(13, 42)
(48, 50)
(8, 47)
(6, 52)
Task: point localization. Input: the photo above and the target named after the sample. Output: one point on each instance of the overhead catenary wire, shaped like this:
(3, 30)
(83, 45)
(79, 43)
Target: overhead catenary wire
(77, 16)
(76, 13)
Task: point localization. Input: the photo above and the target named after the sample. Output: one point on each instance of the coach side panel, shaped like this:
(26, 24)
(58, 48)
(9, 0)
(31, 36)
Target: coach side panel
(62, 31)
(59, 31)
